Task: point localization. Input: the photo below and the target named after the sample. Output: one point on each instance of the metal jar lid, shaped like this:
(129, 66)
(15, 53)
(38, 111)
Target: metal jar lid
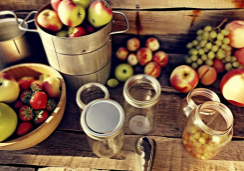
(102, 119)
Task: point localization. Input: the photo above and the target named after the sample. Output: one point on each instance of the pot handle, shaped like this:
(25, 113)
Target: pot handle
(80, 103)
(25, 29)
(127, 23)
(9, 12)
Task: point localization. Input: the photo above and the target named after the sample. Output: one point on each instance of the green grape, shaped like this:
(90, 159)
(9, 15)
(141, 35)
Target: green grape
(201, 51)
(228, 59)
(220, 36)
(240, 67)
(218, 42)
(214, 48)
(211, 55)
(228, 48)
(199, 38)
(208, 45)
(188, 60)
(204, 57)
(199, 61)
(226, 41)
(207, 28)
(206, 50)
(194, 52)
(190, 51)
(198, 47)
(213, 34)
(194, 65)
(189, 45)
(200, 32)
(194, 42)
(205, 35)
(220, 54)
(235, 64)
(193, 58)
(112, 82)
(223, 60)
(233, 59)
(224, 46)
(209, 62)
(203, 43)
(225, 32)
(228, 66)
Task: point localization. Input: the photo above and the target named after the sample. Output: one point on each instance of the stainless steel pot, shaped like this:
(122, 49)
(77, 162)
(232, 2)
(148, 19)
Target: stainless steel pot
(13, 43)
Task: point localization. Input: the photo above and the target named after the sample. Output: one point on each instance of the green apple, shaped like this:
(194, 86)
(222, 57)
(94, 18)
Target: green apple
(123, 72)
(85, 3)
(62, 33)
(99, 13)
(8, 121)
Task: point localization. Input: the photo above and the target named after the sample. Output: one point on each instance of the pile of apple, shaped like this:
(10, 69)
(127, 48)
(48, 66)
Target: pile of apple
(74, 18)
(26, 103)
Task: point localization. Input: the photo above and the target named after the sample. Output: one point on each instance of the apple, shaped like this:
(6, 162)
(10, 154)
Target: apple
(133, 44)
(153, 69)
(85, 3)
(132, 59)
(123, 72)
(232, 87)
(8, 121)
(99, 13)
(239, 54)
(49, 20)
(161, 58)
(52, 86)
(152, 44)
(236, 34)
(76, 32)
(55, 4)
(9, 88)
(206, 74)
(70, 13)
(218, 65)
(144, 56)
(89, 28)
(122, 53)
(184, 78)
(25, 82)
(62, 33)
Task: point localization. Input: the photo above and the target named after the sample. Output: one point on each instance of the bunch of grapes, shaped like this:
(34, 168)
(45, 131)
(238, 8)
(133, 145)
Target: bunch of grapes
(211, 43)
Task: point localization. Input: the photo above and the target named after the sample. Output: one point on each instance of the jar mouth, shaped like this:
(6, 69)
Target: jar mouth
(214, 111)
(142, 79)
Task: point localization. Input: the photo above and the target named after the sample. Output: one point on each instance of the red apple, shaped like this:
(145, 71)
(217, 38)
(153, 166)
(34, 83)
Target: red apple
(133, 44)
(236, 34)
(161, 58)
(49, 20)
(25, 82)
(153, 69)
(122, 53)
(70, 13)
(152, 44)
(76, 32)
(184, 78)
(55, 4)
(218, 65)
(232, 87)
(52, 86)
(144, 56)
(239, 54)
(89, 28)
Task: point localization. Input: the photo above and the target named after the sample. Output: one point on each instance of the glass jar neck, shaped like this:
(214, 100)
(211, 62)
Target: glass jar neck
(214, 118)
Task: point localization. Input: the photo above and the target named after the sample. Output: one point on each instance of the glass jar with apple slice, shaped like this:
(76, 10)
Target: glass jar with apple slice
(142, 93)
(194, 98)
(209, 129)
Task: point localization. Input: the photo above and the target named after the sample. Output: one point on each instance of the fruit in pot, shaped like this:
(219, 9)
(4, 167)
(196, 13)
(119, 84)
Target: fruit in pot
(9, 88)
(24, 128)
(99, 13)
(218, 65)
(122, 53)
(36, 86)
(161, 58)
(51, 86)
(144, 56)
(85, 3)
(232, 87)
(89, 28)
(239, 54)
(112, 82)
(207, 75)
(25, 96)
(132, 59)
(41, 116)
(133, 44)
(49, 20)
(25, 82)
(51, 105)
(55, 4)
(153, 69)
(236, 34)
(76, 32)
(70, 13)
(123, 72)
(184, 78)
(8, 121)
(152, 44)
(62, 33)
(38, 100)
(26, 113)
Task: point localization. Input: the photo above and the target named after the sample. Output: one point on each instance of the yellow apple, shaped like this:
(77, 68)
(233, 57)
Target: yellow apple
(85, 3)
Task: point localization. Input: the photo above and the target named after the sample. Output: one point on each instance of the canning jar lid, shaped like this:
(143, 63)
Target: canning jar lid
(102, 119)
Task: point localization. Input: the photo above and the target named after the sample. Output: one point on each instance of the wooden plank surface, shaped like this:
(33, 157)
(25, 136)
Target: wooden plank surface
(12, 168)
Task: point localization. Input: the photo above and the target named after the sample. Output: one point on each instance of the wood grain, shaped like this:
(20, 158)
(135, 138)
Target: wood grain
(12, 168)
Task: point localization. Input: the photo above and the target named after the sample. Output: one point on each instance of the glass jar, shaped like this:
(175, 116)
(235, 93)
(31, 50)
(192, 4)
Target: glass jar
(142, 93)
(102, 120)
(209, 129)
(191, 101)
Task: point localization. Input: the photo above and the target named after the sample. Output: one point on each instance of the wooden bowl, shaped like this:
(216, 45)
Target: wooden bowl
(45, 129)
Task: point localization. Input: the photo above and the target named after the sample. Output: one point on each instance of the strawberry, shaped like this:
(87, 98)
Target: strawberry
(25, 82)
(39, 100)
(36, 86)
(24, 128)
(18, 104)
(26, 113)
(51, 105)
(41, 116)
(25, 96)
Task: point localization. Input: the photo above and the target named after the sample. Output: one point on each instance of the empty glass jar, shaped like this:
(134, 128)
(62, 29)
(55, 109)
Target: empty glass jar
(142, 93)
(191, 101)
(102, 120)
(209, 128)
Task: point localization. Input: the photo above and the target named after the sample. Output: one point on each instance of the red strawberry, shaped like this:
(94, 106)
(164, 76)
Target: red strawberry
(26, 113)
(25, 82)
(18, 104)
(39, 100)
(25, 96)
(41, 116)
(36, 86)
(24, 128)
(51, 105)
